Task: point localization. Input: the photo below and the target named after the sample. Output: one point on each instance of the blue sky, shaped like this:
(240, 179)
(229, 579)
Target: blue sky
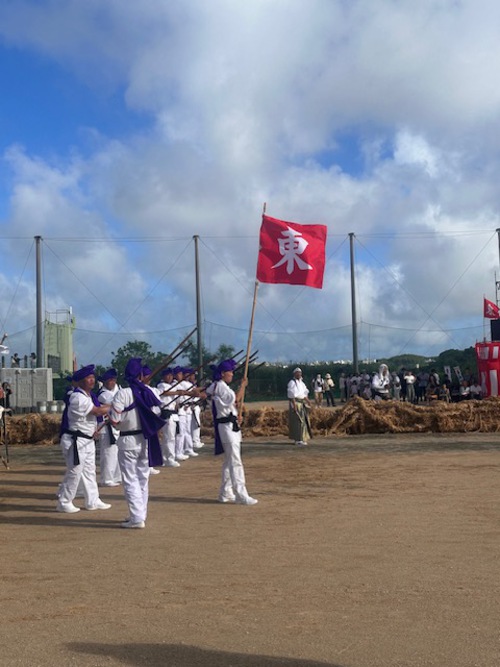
(127, 128)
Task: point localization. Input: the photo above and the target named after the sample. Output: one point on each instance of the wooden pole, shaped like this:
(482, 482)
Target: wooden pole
(250, 335)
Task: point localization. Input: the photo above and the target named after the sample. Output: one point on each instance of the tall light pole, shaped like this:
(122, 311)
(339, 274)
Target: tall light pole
(353, 307)
(39, 320)
(199, 337)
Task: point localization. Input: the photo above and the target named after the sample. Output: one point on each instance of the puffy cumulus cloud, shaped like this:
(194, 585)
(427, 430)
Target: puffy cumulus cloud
(250, 102)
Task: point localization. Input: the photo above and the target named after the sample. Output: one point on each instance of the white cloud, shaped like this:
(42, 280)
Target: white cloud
(245, 101)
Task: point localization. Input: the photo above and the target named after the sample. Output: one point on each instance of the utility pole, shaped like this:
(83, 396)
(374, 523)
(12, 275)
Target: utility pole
(353, 307)
(40, 361)
(199, 337)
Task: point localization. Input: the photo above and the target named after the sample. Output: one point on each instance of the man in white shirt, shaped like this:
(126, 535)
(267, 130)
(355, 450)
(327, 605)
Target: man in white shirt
(299, 429)
(79, 427)
(133, 414)
(108, 450)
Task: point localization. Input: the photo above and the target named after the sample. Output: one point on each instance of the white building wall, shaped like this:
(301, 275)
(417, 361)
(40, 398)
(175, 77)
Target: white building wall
(29, 386)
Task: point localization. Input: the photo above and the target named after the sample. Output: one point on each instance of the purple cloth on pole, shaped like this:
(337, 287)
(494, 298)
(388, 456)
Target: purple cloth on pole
(218, 448)
(144, 400)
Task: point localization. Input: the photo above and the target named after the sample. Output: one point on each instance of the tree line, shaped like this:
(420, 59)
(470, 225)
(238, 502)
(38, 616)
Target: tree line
(268, 381)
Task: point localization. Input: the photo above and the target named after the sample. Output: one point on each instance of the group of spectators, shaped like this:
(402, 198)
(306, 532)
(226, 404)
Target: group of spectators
(406, 385)
(16, 360)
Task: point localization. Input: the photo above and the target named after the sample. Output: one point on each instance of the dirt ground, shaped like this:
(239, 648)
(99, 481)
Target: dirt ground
(364, 551)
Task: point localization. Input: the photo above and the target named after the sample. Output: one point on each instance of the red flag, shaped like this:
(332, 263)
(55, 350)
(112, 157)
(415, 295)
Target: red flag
(291, 253)
(491, 310)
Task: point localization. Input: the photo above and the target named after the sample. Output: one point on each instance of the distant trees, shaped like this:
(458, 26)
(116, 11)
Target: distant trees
(136, 348)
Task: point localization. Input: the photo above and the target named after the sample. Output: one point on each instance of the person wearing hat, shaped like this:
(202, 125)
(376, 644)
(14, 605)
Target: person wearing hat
(329, 385)
(381, 384)
(194, 404)
(228, 433)
(167, 395)
(108, 450)
(79, 427)
(133, 413)
(299, 429)
(183, 442)
(173, 393)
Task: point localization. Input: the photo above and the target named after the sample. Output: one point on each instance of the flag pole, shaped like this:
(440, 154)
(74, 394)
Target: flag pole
(249, 344)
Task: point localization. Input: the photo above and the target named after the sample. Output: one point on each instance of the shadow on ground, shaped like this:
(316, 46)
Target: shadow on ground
(174, 655)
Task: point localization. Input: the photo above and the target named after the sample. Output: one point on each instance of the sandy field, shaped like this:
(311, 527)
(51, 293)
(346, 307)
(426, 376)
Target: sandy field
(364, 551)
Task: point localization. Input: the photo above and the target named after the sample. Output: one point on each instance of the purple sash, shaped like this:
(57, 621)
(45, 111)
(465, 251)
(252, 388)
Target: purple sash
(144, 400)
(218, 448)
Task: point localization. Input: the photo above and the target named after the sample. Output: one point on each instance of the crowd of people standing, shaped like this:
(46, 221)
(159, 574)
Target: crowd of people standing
(406, 385)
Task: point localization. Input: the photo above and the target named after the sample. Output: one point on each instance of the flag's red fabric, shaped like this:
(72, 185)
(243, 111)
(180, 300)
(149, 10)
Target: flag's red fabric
(291, 253)
(491, 310)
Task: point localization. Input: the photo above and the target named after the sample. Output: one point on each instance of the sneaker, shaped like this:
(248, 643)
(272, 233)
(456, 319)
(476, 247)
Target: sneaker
(301, 444)
(110, 484)
(99, 505)
(153, 471)
(192, 453)
(226, 499)
(246, 501)
(182, 457)
(129, 524)
(172, 464)
(199, 445)
(69, 508)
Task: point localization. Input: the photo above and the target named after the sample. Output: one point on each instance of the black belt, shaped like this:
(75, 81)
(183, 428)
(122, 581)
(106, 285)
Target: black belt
(232, 419)
(74, 435)
(123, 433)
(112, 439)
(166, 413)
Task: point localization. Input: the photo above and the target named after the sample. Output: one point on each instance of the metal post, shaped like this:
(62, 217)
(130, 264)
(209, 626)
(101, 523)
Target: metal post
(39, 321)
(353, 308)
(199, 337)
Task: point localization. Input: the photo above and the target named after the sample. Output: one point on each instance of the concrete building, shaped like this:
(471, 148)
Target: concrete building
(58, 343)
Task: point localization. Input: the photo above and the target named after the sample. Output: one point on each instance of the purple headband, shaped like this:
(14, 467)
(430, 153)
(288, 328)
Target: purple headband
(166, 371)
(133, 369)
(226, 365)
(110, 374)
(178, 369)
(84, 372)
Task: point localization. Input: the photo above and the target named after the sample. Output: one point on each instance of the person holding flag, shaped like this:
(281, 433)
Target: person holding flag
(228, 433)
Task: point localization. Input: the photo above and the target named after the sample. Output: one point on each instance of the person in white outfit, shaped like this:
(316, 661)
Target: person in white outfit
(184, 442)
(195, 412)
(228, 434)
(381, 384)
(108, 450)
(167, 396)
(79, 426)
(298, 419)
(132, 413)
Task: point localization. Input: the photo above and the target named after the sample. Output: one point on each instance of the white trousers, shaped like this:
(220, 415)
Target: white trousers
(167, 441)
(134, 466)
(195, 426)
(108, 460)
(85, 472)
(183, 441)
(233, 474)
